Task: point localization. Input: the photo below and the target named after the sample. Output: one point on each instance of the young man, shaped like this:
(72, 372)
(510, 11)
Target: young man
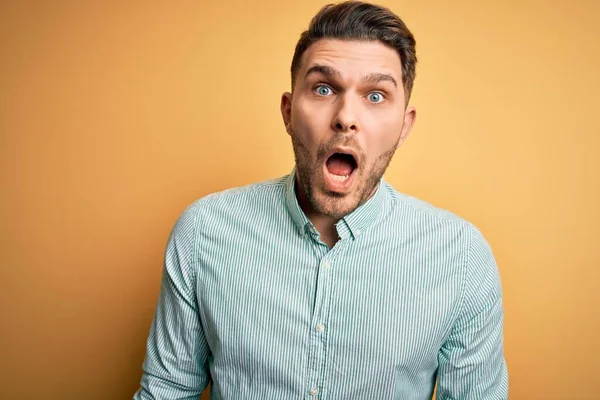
(328, 283)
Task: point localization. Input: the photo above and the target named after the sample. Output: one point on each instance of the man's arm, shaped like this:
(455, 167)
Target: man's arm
(471, 361)
(177, 351)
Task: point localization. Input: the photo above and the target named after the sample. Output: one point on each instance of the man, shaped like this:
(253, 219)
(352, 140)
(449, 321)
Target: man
(328, 283)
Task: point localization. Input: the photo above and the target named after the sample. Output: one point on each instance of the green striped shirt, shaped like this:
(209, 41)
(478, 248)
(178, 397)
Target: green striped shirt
(252, 301)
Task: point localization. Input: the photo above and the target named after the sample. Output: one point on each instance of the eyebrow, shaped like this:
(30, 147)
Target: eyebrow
(377, 77)
(329, 72)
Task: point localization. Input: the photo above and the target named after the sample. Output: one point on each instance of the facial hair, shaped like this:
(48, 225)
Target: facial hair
(310, 171)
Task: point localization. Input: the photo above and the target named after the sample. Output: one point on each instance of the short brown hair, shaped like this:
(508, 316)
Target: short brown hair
(356, 20)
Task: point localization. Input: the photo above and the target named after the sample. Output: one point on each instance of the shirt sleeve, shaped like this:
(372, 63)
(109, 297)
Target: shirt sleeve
(471, 361)
(175, 366)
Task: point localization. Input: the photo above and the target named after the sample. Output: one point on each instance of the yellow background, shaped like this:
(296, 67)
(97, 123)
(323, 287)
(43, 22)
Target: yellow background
(114, 117)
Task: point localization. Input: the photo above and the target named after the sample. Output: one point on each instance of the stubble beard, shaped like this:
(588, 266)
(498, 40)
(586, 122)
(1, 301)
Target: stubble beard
(335, 205)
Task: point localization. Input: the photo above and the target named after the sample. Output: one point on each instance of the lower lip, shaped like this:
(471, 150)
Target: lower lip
(337, 186)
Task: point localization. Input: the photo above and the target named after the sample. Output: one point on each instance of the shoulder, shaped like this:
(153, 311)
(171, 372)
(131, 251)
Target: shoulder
(421, 210)
(448, 235)
(426, 222)
(242, 194)
(422, 217)
(235, 203)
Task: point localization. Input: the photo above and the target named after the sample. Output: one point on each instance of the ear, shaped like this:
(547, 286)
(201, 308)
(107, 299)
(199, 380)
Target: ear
(410, 115)
(286, 111)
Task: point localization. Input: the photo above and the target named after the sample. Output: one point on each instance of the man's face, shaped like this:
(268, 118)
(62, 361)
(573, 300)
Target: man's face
(346, 117)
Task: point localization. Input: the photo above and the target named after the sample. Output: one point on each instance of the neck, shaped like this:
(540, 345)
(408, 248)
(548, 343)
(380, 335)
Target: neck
(324, 224)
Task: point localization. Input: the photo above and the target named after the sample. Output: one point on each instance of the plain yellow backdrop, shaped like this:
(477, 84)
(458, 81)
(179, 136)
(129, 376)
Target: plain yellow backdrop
(114, 116)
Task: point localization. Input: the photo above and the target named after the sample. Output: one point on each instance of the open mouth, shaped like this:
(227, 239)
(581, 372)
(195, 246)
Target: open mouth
(339, 168)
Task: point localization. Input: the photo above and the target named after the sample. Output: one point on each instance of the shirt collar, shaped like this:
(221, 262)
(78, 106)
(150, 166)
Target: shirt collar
(352, 225)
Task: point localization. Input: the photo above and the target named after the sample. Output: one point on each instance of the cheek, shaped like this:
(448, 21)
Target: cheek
(384, 130)
(310, 123)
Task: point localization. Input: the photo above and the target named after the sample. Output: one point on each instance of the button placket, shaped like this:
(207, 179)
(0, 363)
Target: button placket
(318, 339)
(319, 336)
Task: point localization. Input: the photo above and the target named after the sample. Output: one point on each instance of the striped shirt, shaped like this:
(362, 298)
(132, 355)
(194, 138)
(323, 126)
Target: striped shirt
(254, 302)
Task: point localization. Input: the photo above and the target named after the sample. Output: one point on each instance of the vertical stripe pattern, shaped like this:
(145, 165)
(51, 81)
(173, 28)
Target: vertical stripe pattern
(252, 301)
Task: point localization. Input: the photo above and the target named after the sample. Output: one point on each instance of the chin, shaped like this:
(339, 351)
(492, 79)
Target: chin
(333, 205)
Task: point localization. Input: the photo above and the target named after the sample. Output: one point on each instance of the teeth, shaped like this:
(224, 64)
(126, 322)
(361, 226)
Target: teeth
(338, 178)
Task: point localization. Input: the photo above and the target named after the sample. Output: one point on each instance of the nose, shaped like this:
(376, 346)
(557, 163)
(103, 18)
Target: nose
(345, 120)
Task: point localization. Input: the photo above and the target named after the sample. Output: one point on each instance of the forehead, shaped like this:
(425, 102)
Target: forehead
(352, 58)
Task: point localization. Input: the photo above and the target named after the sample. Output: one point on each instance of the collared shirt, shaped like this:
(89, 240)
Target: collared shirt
(253, 301)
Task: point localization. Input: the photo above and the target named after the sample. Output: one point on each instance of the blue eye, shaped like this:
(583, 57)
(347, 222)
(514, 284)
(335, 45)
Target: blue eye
(375, 97)
(323, 90)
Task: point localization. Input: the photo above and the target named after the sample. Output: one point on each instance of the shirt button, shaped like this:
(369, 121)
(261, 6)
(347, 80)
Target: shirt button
(314, 391)
(320, 328)
(326, 264)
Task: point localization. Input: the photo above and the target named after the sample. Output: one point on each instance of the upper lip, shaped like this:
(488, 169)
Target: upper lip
(343, 150)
